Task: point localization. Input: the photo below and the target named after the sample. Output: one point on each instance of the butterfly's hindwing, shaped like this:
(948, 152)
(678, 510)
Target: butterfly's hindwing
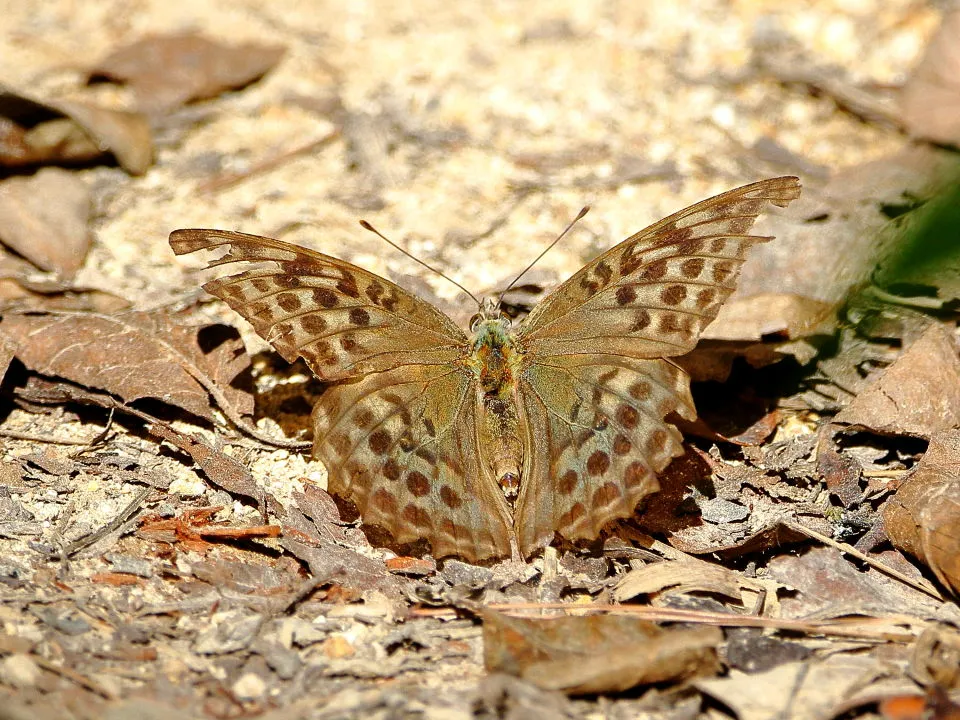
(402, 445)
(596, 438)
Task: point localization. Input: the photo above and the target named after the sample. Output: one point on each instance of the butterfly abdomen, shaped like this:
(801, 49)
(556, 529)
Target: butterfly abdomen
(500, 442)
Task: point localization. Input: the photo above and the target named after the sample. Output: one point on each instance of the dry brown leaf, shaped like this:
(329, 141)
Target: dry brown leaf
(919, 395)
(332, 563)
(137, 355)
(126, 134)
(764, 314)
(831, 246)
(931, 97)
(923, 518)
(322, 511)
(828, 584)
(34, 132)
(800, 691)
(760, 328)
(221, 469)
(251, 575)
(45, 219)
(596, 653)
(776, 534)
(24, 294)
(166, 71)
(682, 576)
(840, 471)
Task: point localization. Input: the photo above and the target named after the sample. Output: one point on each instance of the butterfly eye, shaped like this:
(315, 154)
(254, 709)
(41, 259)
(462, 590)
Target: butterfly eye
(475, 322)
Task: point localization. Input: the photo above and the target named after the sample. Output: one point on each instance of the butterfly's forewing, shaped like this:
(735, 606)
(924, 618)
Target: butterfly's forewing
(342, 320)
(654, 293)
(398, 429)
(594, 394)
(402, 445)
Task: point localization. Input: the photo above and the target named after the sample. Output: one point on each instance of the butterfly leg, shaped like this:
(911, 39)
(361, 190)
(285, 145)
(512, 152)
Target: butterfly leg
(515, 556)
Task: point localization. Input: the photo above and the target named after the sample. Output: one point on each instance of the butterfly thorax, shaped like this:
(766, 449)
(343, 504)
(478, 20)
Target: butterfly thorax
(496, 361)
(494, 357)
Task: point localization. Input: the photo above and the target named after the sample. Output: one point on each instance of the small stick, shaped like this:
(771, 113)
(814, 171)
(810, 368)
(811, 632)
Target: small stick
(16, 435)
(74, 676)
(840, 627)
(124, 515)
(228, 180)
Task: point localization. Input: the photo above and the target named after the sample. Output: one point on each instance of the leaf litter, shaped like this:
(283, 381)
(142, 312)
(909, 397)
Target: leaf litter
(157, 561)
(70, 132)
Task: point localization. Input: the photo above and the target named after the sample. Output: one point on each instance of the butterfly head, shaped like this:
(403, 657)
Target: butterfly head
(489, 314)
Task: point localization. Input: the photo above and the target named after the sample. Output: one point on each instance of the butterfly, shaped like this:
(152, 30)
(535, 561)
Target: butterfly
(488, 443)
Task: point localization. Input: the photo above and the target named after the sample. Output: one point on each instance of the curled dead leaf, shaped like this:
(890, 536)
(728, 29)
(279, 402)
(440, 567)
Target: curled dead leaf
(44, 218)
(222, 470)
(931, 97)
(787, 315)
(34, 132)
(923, 518)
(902, 400)
(683, 576)
(136, 356)
(842, 473)
(26, 294)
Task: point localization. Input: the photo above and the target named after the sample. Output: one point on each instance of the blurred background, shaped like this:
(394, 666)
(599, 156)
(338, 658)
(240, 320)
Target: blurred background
(469, 132)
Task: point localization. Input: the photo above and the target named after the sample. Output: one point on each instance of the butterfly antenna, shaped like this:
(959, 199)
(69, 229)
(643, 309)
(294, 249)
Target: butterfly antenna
(547, 249)
(367, 226)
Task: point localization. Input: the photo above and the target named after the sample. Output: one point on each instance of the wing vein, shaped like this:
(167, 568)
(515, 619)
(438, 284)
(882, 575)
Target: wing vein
(626, 398)
(373, 391)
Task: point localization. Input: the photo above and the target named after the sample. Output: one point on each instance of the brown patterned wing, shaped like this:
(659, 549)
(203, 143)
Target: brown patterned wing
(342, 320)
(595, 392)
(398, 431)
(402, 444)
(654, 293)
(596, 439)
